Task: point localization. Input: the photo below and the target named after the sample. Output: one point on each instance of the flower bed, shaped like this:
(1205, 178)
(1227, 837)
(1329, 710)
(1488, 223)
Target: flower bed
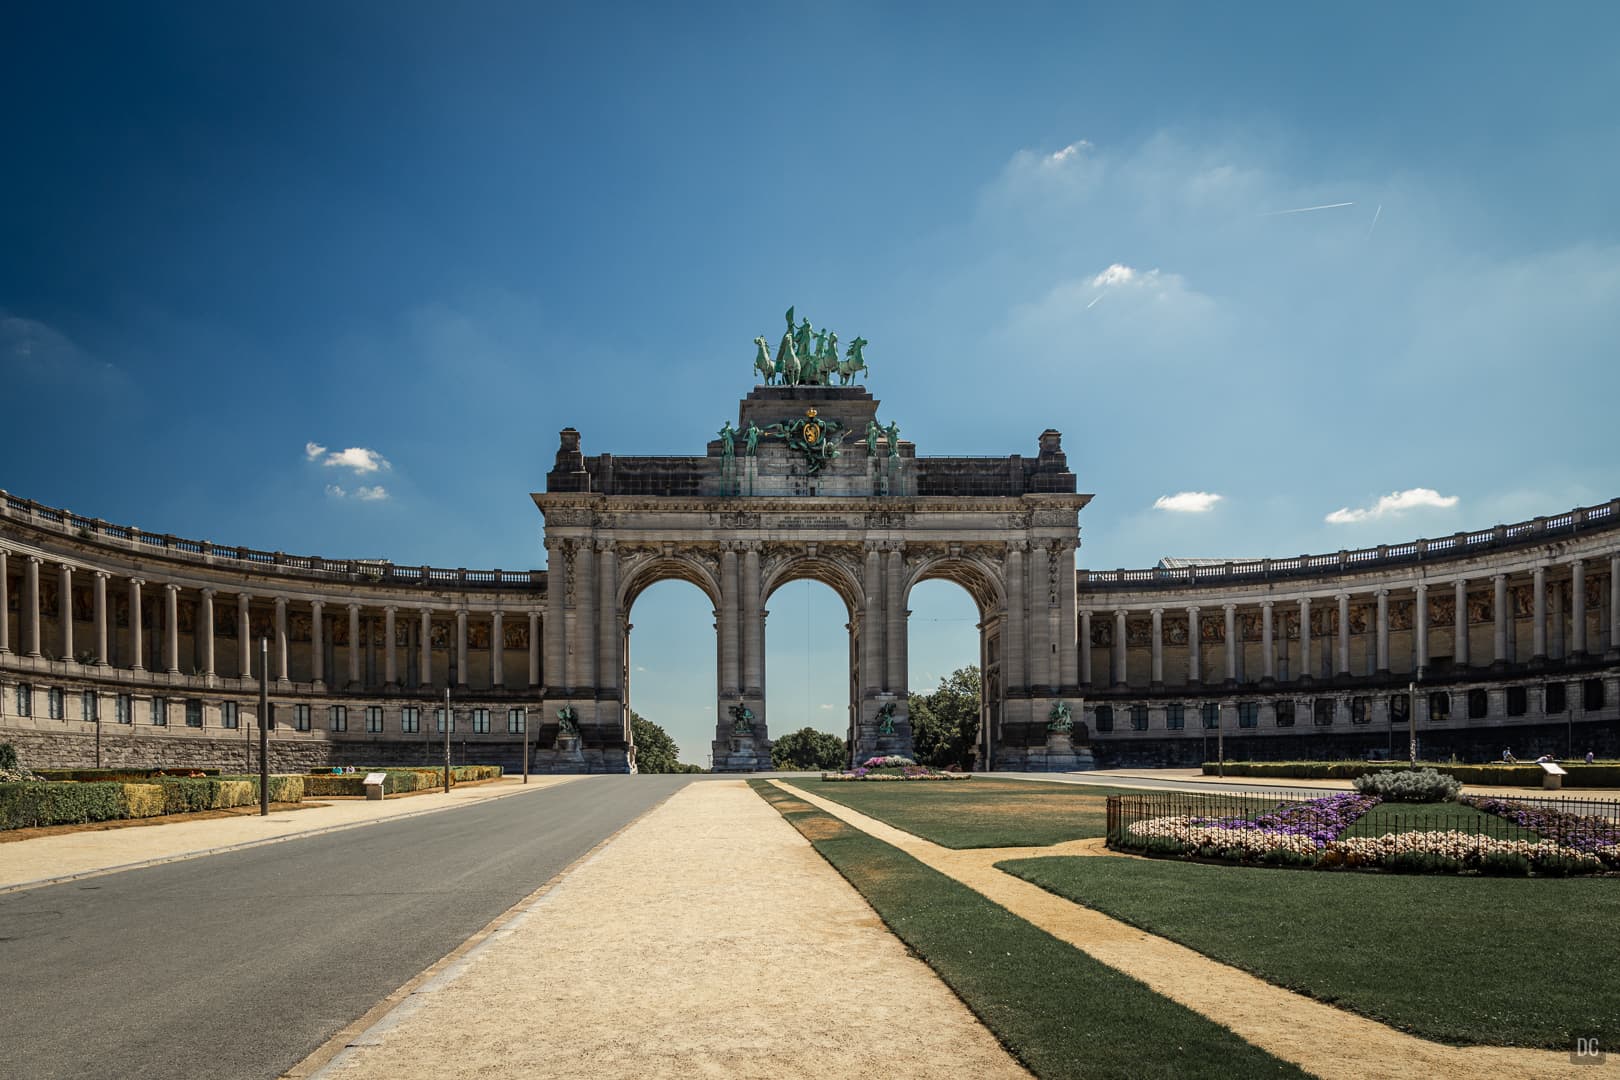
(893, 767)
(1309, 834)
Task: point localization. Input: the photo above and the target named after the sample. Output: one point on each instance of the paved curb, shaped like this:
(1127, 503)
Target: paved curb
(40, 883)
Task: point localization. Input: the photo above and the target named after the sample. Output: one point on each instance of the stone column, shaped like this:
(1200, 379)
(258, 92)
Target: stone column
(281, 639)
(1231, 641)
(354, 646)
(1268, 659)
(728, 653)
(5, 605)
(461, 648)
(1121, 675)
(171, 628)
(424, 661)
(1015, 627)
(1500, 610)
(203, 630)
(1344, 633)
(1157, 677)
(1614, 603)
(497, 648)
(609, 626)
(1040, 621)
(64, 610)
(554, 669)
(753, 638)
(1383, 632)
(1556, 641)
(1068, 651)
(1085, 646)
(136, 647)
(1459, 624)
(895, 613)
(317, 644)
(390, 660)
(30, 606)
(99, 603)
(582, 636)
(534, 650)
(1577, 609)
(1306, 671)
(1195, 648)
(873, 651)
(244, 637)
(1538, 617)
(1420, 627)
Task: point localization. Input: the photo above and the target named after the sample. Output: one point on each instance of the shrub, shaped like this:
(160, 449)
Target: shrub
(1504, 864)
(1410, 785)
(143, 800)
(282, 788)
(35, 803)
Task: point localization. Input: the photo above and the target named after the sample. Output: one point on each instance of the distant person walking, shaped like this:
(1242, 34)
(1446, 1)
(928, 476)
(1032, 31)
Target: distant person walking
(1507, 756)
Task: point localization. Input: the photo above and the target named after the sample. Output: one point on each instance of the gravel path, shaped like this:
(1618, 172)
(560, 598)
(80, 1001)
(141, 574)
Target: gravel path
(708, 939)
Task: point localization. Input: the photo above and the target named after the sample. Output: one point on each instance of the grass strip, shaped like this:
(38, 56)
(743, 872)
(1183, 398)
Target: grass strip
(1397, 817)
(1486, 961)
(980, 812)
(1057, 1010)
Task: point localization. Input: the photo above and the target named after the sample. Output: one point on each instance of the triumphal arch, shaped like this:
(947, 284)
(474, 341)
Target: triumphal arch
(812, 482)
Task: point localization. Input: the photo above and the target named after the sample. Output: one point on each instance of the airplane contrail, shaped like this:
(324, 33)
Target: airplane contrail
(1307, 209)
(1094, 302)
(1374, 224)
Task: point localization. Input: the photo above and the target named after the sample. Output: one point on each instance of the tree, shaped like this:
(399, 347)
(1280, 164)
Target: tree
(945, 723)
(656, 752)
(808, 748)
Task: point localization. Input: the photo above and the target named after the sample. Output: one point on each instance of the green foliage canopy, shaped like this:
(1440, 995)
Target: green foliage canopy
(945, 723)
(808, 748)
(656, 752)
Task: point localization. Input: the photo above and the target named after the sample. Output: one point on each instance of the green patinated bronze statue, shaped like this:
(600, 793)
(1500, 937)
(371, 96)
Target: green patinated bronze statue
(873, 431)
(893, 433)
(885, 718)
(808, 357)
(742, 719)
(567, 721)
(728, 441)
(752, 433)
(1059, 719)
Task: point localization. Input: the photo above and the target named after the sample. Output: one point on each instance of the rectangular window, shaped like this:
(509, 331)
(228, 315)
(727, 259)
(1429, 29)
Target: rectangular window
(53, 702)
(517, 722)
(1554, 698)
(160, 712)
(1399, 708)
(230, 714)
(1518, 700)
(410, 720)
(1440, 705)
(1359, 712)
(1211, 713)
(1105, 718)
(25, 699)
(339, 716)
(480, 721)
(1479, 704)
(301, 719)
(438, 721)
(374, 718)
(1248, 713)
(1592, 695)
(124, 709)
(1175, 716)
(1285, 713)
(193, 713)
(89, 706)
(1139, 718)
(1324, 711)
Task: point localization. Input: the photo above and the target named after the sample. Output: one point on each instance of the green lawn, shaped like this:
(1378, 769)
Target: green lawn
(1501, 961)
(1407, 817)
(1056, 1009)
(976, 813)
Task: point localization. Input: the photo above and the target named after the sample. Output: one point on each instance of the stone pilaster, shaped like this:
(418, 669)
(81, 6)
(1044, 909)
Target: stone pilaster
(5, 604)
(1085, 647)
(1068, 652)
(534, 650)
(609, 623)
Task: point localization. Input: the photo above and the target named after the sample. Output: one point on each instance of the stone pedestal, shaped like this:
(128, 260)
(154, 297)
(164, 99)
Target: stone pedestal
(1059, 755)
(871, 742)
(742, 753)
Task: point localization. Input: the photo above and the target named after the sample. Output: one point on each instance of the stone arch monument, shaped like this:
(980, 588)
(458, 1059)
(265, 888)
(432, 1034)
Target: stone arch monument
(810, 484)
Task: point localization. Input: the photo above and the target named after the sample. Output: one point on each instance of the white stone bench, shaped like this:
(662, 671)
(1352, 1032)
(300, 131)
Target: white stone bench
(374, 784)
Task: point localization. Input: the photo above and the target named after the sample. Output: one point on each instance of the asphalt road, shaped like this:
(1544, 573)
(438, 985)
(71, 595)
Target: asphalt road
(241, 964)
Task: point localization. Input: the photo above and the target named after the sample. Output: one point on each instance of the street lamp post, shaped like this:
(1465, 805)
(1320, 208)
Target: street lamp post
(448, 720)
(1411, 718)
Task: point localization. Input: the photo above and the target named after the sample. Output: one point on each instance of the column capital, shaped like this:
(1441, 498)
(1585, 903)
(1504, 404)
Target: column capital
(170, 586)
(1381, 593)
(1342, 597)
(281, 602)
(317, 604)
(1267, 604)
(1193, 610)
(1085, 613)
(35, 559)
(872, 547)
(1421, 588)
(102, 574)
(1017, 545)
(461, 612)
(1120, 612)
(391, 608)
(246, 598)
(352, 606)
(137, 581)
(210, 593)
(1229, 608)
(606, 545)
(426, 609)
(1539, 570)
(66, 566)
(1499, 578)
(1158, 612)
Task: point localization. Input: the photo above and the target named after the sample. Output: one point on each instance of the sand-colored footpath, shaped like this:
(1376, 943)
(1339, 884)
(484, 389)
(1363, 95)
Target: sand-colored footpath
(1319, 1038)
(707, 939)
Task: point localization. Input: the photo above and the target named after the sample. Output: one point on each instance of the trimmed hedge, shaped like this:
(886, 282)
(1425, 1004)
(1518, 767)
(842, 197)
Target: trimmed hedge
(27, 804)
(127, 776)
(1496, 775)
(143, 800)
(282, 788)
(397, 781)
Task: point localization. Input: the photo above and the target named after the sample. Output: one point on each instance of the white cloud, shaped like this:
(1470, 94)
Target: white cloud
(1069, 151)
(335, 491)
(376, 493)
(826, 708)
(1394, 503)
(1117, 274)
(313, 450)
(357, 458)
(1188, 502)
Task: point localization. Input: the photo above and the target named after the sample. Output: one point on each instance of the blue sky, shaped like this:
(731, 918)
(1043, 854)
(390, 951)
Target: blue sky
(437, 236)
